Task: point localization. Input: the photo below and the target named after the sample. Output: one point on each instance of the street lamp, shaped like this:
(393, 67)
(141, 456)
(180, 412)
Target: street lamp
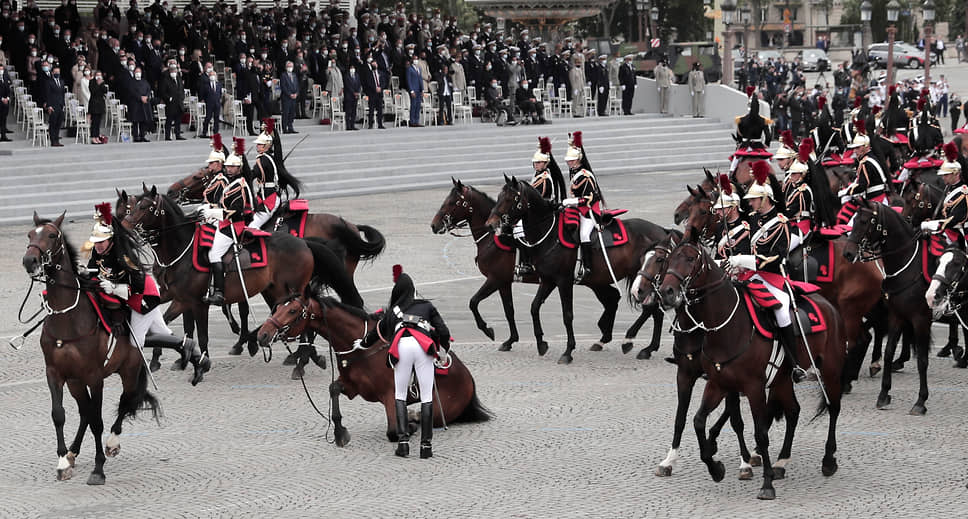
(927, 10)
(744, 17)
(641, 6)
(865, 16)
(893, 9)
(654, 20)
(727, 7)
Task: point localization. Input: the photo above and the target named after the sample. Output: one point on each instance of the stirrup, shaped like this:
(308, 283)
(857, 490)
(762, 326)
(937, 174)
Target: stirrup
(523, 269)
(802, 375)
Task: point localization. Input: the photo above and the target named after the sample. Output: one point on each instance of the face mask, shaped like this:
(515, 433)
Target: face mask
(352, 71)
(493, 85)
(33, 53)
(289, 69)
(20, 28)
(242, 38)
(137, 75)
(116, 49)
(67, 37)
(29, 40)
(56, 33)
(45, 68)
(99, 78)
(524, 85)
(141, 39)
(345, 47)
(173, 75)
(208, 70)
(131, 68)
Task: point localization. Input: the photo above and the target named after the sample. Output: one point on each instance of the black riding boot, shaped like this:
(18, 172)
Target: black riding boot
(524, 266)
(403, 430)
(585, 262)
(217, 296)
(118, 321)
(426, 429)
(789, 342)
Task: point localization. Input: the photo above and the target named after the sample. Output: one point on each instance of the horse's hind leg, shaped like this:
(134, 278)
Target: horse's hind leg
(634, 330)
(544, 290)
(97, 429)
(79, 392)
(489, 287)
(566, 292)
(733, 414)
(922, 343)
(952, 340)
(711, 398)
(786, 401)
(341, 435)
(907, 339)
(657, 318)
(609, 296)
(685, 382)
(56, 386)
(508, 303)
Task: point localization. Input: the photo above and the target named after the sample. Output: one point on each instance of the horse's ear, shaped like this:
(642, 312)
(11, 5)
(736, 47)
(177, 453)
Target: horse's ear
(454, 180)
(144, 187)
(506, 179)
(691, 192)
(514, 179)
(36, 219)
(60, 220)
(118, 191)
(154, 191)
(702, 192)
(709, 176)
(124, 194)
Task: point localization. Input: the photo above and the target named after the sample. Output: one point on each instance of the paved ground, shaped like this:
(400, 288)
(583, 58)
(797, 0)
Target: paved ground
(567, 441)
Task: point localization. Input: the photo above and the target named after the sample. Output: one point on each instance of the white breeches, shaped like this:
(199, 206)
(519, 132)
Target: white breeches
(260, 218)
(142, 324)
(585, 228)
(220, 245)
(518, 231)
(782, 314)
(413, 358)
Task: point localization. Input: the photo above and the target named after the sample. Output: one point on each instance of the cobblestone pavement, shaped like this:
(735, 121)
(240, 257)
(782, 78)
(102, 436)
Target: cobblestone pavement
(567, 441)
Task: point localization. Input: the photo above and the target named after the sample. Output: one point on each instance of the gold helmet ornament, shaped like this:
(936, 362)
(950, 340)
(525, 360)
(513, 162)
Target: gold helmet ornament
(951, 164)
(788, 148)
(761, 185)
(574, 147)
(727, 197)
(544, 151)
(268, 128)
(102, 223)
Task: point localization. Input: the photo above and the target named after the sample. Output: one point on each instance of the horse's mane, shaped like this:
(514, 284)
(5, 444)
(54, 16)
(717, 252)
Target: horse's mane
(71, 250)
(482, 194)
(172, 208)
(331, 302)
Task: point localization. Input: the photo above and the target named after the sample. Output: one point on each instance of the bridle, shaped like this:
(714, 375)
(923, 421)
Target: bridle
(692, 295)
(867, 247)
(283, 329)
(451, 224)
(182, 188)
(521, 205)
(50, 258)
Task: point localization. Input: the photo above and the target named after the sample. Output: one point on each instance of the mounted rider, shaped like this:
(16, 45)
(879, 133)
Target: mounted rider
(231, 213)
(786, 152)
(769, 246)
(587, 197)
(871, 182)
(550, 183)
(216, 184)
(270, 179)
(953, 210)
(797, 194)
(733, 231)
(752, 138)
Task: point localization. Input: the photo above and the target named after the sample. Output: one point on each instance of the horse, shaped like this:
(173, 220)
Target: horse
(686, 350)
(946, 297)
(191, 189)
(467, 206)
(365, 372)
(290, 262)
(78, 351)
(879, 228)
(555, 263)
(694, 281)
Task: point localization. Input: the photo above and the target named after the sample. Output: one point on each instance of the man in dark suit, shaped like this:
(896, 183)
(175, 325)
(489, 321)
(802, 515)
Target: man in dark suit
(351, 95)
(626, 80)
(54, 104)
(171, 92)
(415, 84)
(373, 84)
(289, 83)
(445, 89)
(246, 90)
(139, 106)
(6, 92)
(524, 98)
(210, 92)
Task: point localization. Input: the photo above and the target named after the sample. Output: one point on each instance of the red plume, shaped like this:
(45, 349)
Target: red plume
(921, 103)
(925, 92)
(105, 210)
(951, 151)
(858, 100)
(239, 147)
(544, 144)
(749, 90)
(397, 270)
(786, 137)
(821, 102)
(876, 110)
(576, 139)
(217, 142)
(725, 184)
(806, 148)
(270, 125)
(891, 90)
(859, 126)
(761, 171)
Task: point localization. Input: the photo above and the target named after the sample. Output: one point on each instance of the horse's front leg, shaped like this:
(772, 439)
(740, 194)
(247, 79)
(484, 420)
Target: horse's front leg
(489, 287)
(685, 382)
(508, 303)
(97, 429)
(609, 297)
(711, 398)
(56, 385)
(342, 436)
(566, 292)
(544, 290)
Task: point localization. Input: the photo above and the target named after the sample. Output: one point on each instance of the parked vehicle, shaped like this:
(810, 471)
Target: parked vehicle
(905, 55)
(814, 60)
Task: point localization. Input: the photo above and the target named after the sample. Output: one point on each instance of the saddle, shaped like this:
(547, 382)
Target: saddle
(613, 233)
(761, 303)
(820, 261)
(932, 247)
(254, 256)
(290, 218)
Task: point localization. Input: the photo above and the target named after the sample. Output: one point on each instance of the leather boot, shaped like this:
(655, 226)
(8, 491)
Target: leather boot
(403, 430)
(426, 429)
(585, 262)
(524, 266)
(217, 296)
(118, 321)
(184, 347)
(789, 342)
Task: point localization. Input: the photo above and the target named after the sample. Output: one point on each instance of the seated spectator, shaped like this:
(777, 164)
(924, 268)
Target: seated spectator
(529, 106)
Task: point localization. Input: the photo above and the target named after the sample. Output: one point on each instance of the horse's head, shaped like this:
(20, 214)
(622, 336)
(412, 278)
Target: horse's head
(455, 211)
(289, 319)
(45, 247)
(654, 264)
(920, 200)
(946, 282)
(868, 232)
(687, 263)
(512, 205)
(702, 220)
(146, 212)
(191, 188)
(708, 185)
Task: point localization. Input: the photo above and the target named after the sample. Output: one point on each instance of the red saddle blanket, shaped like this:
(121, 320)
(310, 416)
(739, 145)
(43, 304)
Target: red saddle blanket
(923, 163)
(760, 304)
(253, 246)
(100, 313)
(932, 247)
(614, 233)
(290, 218)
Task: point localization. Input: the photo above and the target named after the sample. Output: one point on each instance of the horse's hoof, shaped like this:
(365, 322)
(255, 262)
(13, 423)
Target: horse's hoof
(596, 347)
(65, 474)
(717, 471)
(918, 410)
(564, 359)
(646, 354)
(112, 451)
(253, 346)
(203, 366)
(489, 332)
(542, 347)
(95, 479)
(154, 365)
(320, 361)
(897, 366)
(290, 359)
(670, 360)
(505, 346)
(779, 473)
(848, 388)
(236, 350)
(945, 352)
(745, 474)
(755, 460)
(829, 467)
(626, 347)
(297, 373)
(342, 437)
(874, 370)
(883, 401)
(71, 457)
(663, 472)
(962, 364)
(766, 494)
(177, 365)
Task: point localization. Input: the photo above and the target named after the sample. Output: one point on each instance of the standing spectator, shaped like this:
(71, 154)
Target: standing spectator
(697, 88)
(445, 89)
(576, 77)
(334, 80)
(171, 92)
(139, 106)
(289, 83)
(960, 47)
(955, 105)
(82, 91)
(939, 49)
(351, 96)
(373, 84)
(602, 84)
(663, 81)
(210, 92)
(53, 90)
(97, 106)
(6, 89)
(415, 84)
(942, 87)
(626, 79)
(246, 90)
(458, 75)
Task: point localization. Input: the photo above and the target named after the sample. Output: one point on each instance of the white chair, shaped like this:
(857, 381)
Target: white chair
(387, 101)
(394, 83)
(614, 100)
(538, 95)
(83, 134)
(427, 112)
(160, 119)
(588, 101)
(326, 107)
(339, 116)
(401, 108)
(564, 105)
(317, 101)
(462, 112)
(37, 128)
(238, 119)
(124, 125)
(199, 119)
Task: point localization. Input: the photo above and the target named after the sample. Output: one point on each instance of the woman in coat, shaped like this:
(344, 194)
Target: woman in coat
(97, 106)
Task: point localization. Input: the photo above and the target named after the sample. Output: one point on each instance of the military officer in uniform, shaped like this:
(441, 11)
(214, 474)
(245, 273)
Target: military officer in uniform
(233, 212)
(953, 210)
(871, 182)
(550, 183)
(733, 232)
(797, 193)
(586, 196)
(264, 176)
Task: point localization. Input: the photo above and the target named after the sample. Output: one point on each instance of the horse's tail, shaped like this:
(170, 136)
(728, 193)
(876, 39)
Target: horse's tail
(364, 249)
(139, 399)
(475, 411)
(329, 269)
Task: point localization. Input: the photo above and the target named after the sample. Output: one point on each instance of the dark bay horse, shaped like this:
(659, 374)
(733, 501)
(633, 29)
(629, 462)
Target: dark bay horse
(555, 263)
(735, 358)
(946, 295)
(364, 371)
(77, 352)
(687, 353)
(467, 206)
(881, 233)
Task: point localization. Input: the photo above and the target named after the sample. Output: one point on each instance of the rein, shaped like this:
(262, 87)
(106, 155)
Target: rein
(865, 253)
(451, 225)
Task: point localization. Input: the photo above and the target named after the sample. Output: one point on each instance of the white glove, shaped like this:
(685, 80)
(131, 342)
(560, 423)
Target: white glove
(358, 344)
(843, 192)
(623, 88)
(570, 202)
(121, 290)
(743, 261)
(213, 214)
(930, 225)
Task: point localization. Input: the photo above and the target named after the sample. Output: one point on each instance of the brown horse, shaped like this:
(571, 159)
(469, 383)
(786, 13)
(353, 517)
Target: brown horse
(695, 282)
(365, 371)
(191, 189)
(466, 206)
(555, 263)
(77, 351)
(291, 262)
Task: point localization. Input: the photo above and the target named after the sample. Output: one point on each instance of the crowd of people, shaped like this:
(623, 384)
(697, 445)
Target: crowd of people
(275, 55)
